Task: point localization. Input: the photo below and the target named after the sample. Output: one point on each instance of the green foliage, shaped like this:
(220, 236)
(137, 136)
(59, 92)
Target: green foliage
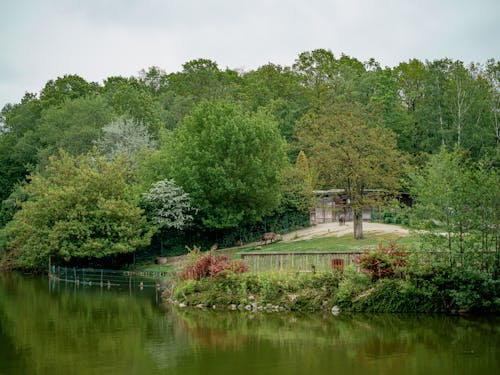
(132, 99)
(229, 162)
(298, 292)
(352, 284)
(72, 126)
(348, 152)
(440, 288)
(297, 185)
(458, 198)
(80, 207)
(69, 87)
(18, 144)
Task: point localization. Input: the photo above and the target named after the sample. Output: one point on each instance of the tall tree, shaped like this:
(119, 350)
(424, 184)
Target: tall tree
(348, 151)
(155, 79)
(71, 86)
(279, 89)
(73, 126)
(80, 207)
(202, 79)
(229, 162)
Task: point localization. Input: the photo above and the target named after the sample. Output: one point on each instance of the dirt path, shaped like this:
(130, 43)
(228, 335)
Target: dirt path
(334, 229)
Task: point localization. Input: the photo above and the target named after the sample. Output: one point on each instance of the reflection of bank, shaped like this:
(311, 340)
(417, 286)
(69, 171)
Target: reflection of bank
(330, 204)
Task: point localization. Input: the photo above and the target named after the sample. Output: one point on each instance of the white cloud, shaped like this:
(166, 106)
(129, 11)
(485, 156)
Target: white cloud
(44, 39)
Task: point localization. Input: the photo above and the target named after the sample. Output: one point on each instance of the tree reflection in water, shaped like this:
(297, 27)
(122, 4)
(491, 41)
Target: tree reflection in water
(82, 330)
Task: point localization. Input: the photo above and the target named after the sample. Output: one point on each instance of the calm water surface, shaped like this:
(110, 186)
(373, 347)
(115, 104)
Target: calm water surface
(61, 329)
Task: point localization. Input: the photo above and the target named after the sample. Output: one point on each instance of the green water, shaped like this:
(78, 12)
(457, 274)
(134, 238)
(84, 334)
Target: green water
(61, 329)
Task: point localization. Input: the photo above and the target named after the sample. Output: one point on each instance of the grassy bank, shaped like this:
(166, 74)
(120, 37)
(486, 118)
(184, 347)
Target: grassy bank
(387, 279)
(446, 291)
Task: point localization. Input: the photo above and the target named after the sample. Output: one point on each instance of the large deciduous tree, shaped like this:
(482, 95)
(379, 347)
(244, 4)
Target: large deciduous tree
(65, 88)
(79, 207)
(348, 151)
(229, 162)
(73, 126)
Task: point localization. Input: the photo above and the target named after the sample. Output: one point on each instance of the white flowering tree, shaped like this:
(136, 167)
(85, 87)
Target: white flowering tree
(124, 136)
(168, 205)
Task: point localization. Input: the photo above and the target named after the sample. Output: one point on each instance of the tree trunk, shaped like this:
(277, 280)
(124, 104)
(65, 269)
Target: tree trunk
(358, 223)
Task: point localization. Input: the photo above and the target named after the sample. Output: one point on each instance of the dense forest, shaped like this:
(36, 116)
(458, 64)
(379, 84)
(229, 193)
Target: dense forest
(158, 160)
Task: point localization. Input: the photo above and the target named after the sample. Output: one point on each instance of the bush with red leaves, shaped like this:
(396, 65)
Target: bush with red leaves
(208, 265)
(383, 262)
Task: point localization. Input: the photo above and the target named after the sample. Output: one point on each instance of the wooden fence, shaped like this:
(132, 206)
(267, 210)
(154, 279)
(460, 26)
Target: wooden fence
(305, 261)
(311, 261)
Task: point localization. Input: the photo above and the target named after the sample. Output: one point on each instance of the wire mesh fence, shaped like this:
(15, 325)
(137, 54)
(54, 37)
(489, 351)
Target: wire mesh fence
(107, 278)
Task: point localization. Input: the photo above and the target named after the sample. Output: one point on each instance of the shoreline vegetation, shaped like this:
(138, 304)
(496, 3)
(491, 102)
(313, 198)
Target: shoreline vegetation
(389, 278)
(351, 291)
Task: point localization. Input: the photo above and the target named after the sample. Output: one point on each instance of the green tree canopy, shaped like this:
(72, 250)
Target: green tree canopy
(459, 198)
(348, 152)
(297, 185)
(69, 87)
(73, 126)
(80, 207)
(229, 162)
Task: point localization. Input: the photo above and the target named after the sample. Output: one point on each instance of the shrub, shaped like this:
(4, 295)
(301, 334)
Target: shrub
(208, 265)
(383, 262)
(352, 285)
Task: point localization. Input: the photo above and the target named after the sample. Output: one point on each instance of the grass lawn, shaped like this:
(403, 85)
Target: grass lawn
(152, 267)
(344, 243)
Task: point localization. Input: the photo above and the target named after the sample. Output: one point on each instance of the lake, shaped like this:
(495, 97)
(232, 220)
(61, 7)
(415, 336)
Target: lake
(58, 328)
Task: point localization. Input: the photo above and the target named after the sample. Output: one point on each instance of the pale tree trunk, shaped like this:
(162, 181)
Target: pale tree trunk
(358, 223)
(460, 101)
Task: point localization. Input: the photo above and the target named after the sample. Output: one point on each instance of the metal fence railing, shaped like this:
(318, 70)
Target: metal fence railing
(107, 278)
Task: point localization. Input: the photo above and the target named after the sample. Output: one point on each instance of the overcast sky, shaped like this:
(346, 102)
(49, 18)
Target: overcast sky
(45, 39)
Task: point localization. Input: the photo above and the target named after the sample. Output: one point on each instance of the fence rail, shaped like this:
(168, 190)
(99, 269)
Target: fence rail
(311, 261)
(305, 261)
(107, 278)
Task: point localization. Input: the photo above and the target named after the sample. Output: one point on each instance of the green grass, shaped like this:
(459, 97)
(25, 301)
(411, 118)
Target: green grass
(155, 268)
(341, 244)
(344, 243)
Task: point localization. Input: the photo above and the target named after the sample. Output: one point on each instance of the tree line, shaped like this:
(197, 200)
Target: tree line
(224, 148)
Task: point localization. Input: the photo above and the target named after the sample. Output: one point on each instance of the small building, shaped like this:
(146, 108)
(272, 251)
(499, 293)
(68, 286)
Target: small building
(330, 204)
